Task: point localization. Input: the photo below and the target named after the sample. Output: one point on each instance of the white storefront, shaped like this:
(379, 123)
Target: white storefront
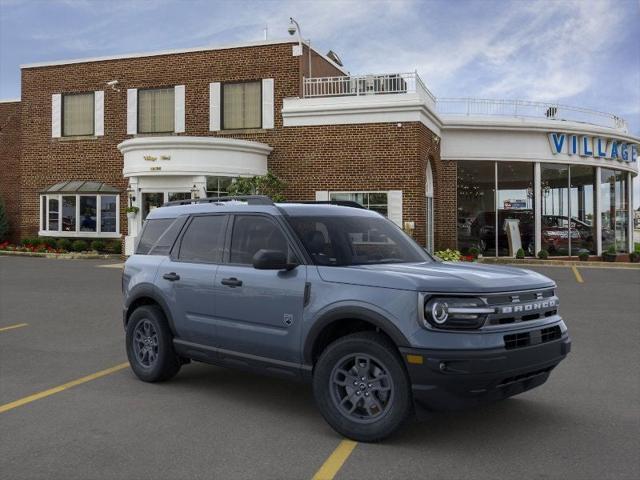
(168, 168)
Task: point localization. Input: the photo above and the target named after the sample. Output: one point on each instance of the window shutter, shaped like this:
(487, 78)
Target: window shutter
(394, 199)
(214, 106)
(132, 111)
(98, 111)
(322, 196)
(56, 115)
(179, 111)
(267, 103)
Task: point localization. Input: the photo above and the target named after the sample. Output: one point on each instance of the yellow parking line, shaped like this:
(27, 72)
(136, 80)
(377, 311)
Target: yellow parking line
(46, 393)
(577, 274)
(11, 327)
(112, 265)
(334, 463)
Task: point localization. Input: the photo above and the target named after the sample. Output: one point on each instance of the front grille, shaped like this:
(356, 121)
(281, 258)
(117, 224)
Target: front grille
(521, 340)
(521, 306)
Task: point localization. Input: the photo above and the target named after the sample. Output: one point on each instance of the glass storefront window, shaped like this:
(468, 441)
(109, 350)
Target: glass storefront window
(53, 214)
(108, 213)
(614, 209)
(515, 207)
(555, 208)
(581, 204)
(476, 206)
(173, 196)
(88, 213)
(219, 186)
(69, 213)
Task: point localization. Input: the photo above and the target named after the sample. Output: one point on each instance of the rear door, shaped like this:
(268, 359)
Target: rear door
(259, 312)
(187, 277)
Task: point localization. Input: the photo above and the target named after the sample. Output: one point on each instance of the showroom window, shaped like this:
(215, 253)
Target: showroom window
(376, 201)
(156, 110)
(477, 206)
(78, 114)
(614, 209)
(516, 223)
(241, 105)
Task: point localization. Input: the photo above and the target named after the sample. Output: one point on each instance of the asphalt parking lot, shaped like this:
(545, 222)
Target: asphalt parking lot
(213, 423)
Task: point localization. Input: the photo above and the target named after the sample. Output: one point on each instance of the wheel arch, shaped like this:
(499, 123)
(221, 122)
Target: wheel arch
(146, 295)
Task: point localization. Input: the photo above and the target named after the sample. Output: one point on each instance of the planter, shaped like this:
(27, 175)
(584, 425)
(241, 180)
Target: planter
(609, 257)
(131, 216)
(634, 257)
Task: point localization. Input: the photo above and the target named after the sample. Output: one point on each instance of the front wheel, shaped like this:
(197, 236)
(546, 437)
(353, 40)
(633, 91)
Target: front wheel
(361, 387)
(150, 345)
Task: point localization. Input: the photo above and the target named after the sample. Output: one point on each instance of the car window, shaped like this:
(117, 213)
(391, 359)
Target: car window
(252, 233)
(151, 232)
(168, 238)
(203, 241)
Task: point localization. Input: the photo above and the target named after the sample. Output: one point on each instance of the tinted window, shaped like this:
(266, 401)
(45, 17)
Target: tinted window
(152, 231)
(355, 240)
(204, 239)
(253, 233)
(168, 238)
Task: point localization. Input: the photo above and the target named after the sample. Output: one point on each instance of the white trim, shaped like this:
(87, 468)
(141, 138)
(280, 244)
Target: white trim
(172, 52)
(179, 100)
(98, 113)
(630, 210)
(56, 115)
(537, 207)
(394, 206)
(132, 111)
(598, 212)
(268, 114)
(78, 233)
(47, 233)
(214, 107)
(9, 100)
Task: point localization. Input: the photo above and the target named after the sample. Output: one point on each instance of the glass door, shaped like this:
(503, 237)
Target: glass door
(555, 208)
(151, 200)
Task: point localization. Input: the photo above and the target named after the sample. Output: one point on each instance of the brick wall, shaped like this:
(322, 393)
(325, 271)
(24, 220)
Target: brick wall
(340, 157)
(10, 163)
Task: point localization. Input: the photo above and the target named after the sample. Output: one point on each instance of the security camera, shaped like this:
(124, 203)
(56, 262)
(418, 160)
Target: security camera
(291, 29)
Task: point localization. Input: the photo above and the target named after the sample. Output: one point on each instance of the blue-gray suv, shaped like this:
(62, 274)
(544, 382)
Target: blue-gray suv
(338, 296)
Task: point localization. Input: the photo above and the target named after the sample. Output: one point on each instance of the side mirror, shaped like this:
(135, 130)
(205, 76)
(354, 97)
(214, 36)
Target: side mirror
(271, 260)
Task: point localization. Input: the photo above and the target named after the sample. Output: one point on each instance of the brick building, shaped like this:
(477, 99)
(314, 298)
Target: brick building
(90, 137)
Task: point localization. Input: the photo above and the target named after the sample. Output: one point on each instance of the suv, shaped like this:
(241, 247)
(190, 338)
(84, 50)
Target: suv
(338, 296)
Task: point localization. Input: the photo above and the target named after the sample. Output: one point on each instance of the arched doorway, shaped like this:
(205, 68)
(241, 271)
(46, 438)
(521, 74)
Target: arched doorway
(429, 203)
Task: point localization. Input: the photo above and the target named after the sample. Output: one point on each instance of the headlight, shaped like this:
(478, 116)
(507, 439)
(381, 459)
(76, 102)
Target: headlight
(455, 312)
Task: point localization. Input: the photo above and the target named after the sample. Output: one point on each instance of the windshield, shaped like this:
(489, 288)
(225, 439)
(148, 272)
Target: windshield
(356, 240)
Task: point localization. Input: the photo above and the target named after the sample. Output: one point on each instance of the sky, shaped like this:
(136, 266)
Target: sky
(584, 53)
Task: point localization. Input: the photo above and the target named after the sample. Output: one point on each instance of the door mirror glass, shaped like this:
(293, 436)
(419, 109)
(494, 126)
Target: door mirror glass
(271, 260)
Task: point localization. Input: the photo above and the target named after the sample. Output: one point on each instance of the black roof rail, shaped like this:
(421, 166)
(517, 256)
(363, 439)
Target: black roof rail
(249, 199)
(342, 203)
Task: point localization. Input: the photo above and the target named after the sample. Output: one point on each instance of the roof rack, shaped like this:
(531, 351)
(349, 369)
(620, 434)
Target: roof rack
(249, 199)
(342, 203)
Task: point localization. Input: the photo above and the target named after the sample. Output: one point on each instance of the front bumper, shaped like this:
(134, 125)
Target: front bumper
(454, 379)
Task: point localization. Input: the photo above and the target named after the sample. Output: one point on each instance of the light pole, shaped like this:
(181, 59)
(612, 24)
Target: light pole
(294, 27)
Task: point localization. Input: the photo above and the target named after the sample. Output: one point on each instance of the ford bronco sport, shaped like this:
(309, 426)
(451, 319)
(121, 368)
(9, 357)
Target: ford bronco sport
(338, 296)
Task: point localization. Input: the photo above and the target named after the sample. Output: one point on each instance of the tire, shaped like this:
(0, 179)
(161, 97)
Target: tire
(150, 346)
(382, 404)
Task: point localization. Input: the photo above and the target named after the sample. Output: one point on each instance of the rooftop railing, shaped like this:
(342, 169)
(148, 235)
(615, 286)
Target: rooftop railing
(402, 83)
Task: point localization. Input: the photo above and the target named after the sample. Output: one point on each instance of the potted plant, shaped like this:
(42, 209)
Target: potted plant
(520, 254)
(132, 212)
(583, 255)
(543, 254)
(610, 255)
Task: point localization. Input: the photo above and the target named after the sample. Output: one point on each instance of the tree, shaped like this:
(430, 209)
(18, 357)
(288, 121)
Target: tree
(4, 222)
(269, 185)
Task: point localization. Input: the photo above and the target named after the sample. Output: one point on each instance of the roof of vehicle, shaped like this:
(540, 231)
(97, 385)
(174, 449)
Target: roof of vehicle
(293, 209)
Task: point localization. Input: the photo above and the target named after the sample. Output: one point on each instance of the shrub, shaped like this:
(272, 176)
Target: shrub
(449, 255)
(583, 256)
(28, 241)
(79, 246)
(47, 242)
(611, 250)
(64, 244)
(543, 254)
(98, 245)
(4, 222)
(520, 253)
(474, 252)
(634, 257)
(114, 246)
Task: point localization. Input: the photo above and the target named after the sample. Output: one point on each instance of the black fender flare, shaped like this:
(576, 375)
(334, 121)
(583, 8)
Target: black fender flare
(145, 290)
(351, 312)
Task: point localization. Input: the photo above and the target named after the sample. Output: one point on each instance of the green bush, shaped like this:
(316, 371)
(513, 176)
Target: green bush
(115, 246)
(634, 257)
(611, 249)
(28, 241)
(474, 252)
(47, 242)
(98, 245)
(79, 246)
(583, 256)
(520, 253)
(64, 244)
(543, 254)
(449, 255)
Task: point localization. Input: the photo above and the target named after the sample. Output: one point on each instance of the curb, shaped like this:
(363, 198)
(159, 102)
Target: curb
(560, 263)
(63, 256)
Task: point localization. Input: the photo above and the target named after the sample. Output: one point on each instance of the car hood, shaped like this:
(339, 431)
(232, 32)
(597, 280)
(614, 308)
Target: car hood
(448, 277)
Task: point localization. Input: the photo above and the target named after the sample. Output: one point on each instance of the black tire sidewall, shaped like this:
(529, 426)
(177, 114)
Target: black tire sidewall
(167, 364)
(379, 347)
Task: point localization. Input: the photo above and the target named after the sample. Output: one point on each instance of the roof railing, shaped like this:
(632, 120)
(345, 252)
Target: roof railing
(248, 199)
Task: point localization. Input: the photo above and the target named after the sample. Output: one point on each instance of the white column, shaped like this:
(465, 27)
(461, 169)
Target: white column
(537, 207)
(630, 211)
(598, 213)
(134, 223)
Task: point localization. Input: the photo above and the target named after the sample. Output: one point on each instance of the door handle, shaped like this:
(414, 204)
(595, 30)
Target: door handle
(172, 277)
(231, 282)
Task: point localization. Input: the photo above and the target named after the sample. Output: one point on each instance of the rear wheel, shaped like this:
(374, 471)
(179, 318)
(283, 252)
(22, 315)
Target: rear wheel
(150, 346)
(361, 387)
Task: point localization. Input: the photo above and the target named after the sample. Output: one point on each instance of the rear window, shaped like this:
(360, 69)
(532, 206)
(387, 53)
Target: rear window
(151, 233)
